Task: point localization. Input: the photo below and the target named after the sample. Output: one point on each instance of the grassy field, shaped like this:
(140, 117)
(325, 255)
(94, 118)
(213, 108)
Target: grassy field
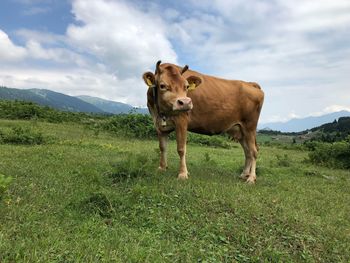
(87, 197)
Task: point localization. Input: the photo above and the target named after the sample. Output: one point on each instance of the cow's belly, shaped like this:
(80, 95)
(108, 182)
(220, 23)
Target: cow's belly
(211, 123)
(204, 131)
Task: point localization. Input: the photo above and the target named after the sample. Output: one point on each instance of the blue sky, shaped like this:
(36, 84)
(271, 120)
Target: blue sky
(50, 16)
(297, 50)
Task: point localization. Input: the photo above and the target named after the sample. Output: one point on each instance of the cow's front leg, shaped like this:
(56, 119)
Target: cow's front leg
(181, 137)
(163, 142)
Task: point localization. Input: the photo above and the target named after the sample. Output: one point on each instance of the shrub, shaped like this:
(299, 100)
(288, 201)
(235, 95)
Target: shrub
(347, 139)
(336, 155)
(131, 168)
(214, 141)
(97, 203)
(134, 125)
(23, 110)
(4, 183)
(310, 145)
(141, 126)
(18, 110)
(19, 135)
(283, 160)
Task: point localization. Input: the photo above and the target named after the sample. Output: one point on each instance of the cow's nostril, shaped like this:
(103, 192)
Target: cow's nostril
(180, 102)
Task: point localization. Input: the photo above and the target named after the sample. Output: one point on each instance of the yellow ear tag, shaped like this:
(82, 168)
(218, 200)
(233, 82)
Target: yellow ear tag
(149, 82)
(191, 86)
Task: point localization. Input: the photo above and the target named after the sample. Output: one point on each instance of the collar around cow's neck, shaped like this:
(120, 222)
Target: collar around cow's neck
(155, 98)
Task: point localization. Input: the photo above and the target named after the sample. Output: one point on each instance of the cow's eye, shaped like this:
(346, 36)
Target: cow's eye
(163, 87)
(187, 86)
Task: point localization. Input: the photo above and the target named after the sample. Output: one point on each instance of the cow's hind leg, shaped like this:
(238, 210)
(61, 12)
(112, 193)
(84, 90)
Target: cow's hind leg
(236, 133)
(248, 160)
(248, 143)
(163, 142)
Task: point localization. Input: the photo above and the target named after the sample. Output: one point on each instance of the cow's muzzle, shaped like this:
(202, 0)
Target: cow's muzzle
(183, 104)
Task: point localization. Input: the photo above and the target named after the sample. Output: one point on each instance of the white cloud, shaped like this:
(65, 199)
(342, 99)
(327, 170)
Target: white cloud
(278, 118)
(59, 55)
(42, 37)
(311, 16)
(14, 54)
(335, 108)
(127, 40)
(9, 52)
(330, 109)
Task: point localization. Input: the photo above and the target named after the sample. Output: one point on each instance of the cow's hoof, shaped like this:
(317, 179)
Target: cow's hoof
(182, 176)
(162, 169)
(244, 176)
(251, 180)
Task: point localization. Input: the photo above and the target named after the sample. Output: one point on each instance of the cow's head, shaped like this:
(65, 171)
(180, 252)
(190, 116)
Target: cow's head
(171, 87)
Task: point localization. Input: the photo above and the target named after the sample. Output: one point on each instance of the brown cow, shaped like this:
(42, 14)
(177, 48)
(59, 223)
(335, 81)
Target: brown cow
(180, 99)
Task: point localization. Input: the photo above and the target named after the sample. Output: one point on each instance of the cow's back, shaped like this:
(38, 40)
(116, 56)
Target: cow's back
(218, 104)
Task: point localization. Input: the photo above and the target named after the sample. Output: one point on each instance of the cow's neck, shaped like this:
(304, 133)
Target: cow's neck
(161, 115)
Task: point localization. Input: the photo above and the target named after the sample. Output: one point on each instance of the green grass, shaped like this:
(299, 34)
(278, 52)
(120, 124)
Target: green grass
(83, 197)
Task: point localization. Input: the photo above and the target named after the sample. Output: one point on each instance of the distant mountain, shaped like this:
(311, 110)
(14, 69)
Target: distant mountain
(112, 106)
(49, 98)
(297, 125)
(65, 102)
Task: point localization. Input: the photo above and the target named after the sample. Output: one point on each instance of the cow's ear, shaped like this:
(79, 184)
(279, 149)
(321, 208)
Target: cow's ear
(193, 82)
(149, 78)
